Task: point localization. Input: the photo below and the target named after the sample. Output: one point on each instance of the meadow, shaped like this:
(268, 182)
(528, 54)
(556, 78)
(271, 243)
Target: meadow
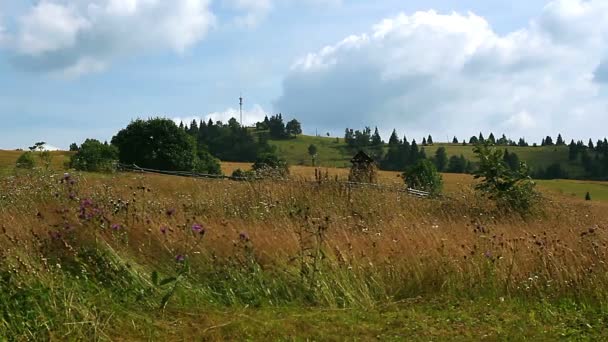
(132, 256)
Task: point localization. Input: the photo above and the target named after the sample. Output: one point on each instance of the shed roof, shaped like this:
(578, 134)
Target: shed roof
(361, 157)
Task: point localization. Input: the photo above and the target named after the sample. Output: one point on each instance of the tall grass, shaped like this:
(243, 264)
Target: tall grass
(84, 255)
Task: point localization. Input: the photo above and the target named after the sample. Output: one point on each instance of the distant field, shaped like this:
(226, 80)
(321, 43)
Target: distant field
(9, 158)
(333, 152)
(577, 189)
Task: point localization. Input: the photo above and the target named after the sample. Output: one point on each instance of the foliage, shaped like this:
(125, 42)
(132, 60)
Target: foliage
(293, 128)
(270, 166)
(94, 156)
(159, 143)
(25, 161)
(441, 159)
(511, 189)
(206, 163)
(424, 176)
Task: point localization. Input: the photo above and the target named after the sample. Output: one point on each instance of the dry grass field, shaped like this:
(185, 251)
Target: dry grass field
(150, 257)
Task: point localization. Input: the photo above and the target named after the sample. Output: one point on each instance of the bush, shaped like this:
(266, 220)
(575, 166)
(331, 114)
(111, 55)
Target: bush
(94, 156)
(424, 176)
(270, 166)
(511, 189)
(245, 175)
(206, 163)
(25, 161)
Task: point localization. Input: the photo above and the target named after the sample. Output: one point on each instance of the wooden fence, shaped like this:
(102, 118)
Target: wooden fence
(135, 168)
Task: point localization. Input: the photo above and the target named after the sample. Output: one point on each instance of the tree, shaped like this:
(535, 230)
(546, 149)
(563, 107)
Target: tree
(429, 140)
(293, 128)
(94, 156)
(25, 161)
(73, 147)
(424, 142)
(312, 152)
(491, 138)
(423, 176)
(207, 163)
(376, 139)
(590, 144)
(474, 140)
(457, 164)
(441, 159)
(157, 144)
(548, 141)
(511, 160)
(510, 189)
(276, 127)
(560, 141)
(455, 140)
(587, 196)
(45, 155)
(394, 139)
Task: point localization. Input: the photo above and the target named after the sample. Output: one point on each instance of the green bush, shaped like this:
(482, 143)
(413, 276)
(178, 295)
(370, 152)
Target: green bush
(25, 161)
(94, 156)
(424, 176)
(206, 163)
(270, 166)
(511, 189)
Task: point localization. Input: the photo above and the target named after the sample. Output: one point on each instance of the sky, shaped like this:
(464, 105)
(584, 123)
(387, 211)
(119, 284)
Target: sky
(77, 69)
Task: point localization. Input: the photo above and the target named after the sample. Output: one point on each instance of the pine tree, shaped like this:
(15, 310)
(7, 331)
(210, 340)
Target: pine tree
(455, 140)
(590, 144)
(424, 142)
(474, 140)
(587, 196)
(376, 139)
(560, 141)
(543, 143)
(441, 159)
(491, 138)
(429, 140)
(394, 139)
(481, 138)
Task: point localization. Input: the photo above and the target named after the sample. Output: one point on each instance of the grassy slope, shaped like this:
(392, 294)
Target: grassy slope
(8, 159)
(336, 154)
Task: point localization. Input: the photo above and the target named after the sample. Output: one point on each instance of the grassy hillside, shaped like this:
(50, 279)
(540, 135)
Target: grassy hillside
(333, 152)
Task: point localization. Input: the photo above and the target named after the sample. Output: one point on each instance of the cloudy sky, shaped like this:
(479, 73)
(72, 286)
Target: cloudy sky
(73, 69)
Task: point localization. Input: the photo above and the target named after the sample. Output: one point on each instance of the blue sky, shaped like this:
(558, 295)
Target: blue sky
(71, 70)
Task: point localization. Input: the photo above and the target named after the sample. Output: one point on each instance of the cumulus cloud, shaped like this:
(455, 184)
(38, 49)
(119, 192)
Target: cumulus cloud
(250, 116)
(453, 74)
(82, 36)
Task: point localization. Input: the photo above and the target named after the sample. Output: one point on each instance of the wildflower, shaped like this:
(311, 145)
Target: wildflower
(243, 236)
(180, 258)
(170, 212)
(197, 228)
(116, 226)
(163, 230)
(488, 254)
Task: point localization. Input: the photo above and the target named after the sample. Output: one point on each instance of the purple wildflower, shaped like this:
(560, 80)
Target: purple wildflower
(180, 258)
(197, 228)
(72, 196)
(163, 230)
(243, 236)
(116, 226)
(488, 254)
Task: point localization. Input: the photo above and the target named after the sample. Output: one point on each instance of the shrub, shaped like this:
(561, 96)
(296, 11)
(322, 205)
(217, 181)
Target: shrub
(25, 161)
(206, 163)
(424, 176)
(511, 189)
(94, 156)
(270, 166)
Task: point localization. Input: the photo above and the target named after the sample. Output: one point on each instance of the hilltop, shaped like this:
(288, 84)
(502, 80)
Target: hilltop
(334, 152)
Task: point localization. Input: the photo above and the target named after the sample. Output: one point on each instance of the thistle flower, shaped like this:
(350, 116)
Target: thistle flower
(197, 228)
(180, 258)
(116, 226)
(243, 236)
(163, 230)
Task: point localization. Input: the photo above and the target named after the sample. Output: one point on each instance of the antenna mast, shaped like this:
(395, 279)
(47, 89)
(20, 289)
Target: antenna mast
(241, 105)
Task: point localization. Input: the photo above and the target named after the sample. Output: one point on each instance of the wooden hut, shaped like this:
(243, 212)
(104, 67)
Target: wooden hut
(363, 170)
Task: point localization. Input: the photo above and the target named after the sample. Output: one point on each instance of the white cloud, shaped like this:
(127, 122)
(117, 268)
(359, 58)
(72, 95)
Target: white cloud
(252, 12)
(250, 116)
(83, 36)
(452, 74)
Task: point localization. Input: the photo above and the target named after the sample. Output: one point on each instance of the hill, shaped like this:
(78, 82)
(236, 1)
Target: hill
(333, 152)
